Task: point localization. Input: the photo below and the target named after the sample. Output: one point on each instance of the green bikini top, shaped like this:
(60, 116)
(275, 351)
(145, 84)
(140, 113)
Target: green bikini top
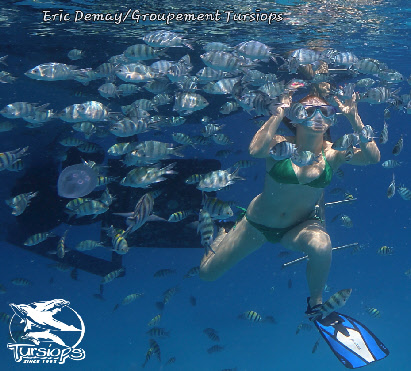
(283, 172)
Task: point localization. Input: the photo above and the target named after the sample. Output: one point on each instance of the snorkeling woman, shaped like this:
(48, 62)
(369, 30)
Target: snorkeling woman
(285, 211)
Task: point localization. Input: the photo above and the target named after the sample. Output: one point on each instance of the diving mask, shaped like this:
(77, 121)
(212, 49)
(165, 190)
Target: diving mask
(326, 111)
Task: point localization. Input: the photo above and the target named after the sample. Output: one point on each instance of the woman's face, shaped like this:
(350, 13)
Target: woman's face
(317, 122)
(320, 117)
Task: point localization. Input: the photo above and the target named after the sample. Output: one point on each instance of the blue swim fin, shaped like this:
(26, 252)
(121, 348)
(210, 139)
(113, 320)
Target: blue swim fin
(353, 344)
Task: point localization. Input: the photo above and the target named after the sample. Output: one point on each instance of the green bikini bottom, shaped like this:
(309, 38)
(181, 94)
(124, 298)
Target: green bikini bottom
(274, 235)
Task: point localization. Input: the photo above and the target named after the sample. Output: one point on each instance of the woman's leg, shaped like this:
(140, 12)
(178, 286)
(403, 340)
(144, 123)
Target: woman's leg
(229, 249)
(311, 238)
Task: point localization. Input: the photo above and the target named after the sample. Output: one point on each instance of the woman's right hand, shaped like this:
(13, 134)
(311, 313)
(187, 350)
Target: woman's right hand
(349, 107)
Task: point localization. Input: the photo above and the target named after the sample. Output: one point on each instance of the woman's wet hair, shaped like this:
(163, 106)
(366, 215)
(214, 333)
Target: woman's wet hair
(313, 100)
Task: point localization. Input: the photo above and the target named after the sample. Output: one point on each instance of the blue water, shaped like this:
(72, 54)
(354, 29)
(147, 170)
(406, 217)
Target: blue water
(117, 341)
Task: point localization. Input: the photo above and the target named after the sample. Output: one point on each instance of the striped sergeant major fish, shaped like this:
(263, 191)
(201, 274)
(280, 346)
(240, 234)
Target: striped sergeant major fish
(7, 159)
(405, 193)
(385, 250)
(389, 164)
(217, 209)
(92, 207)
(282, 150)
(251, 316)
(398, 147)
(180, 215)
(141, 214)
(335, 302)
(391, 188)
(37, 238)
(20, 202)
(113, 275)
(206, 229)
(216, 180)
(61, 248)
(384, 134)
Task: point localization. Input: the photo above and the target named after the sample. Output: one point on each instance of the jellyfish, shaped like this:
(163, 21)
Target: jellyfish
(76, 181)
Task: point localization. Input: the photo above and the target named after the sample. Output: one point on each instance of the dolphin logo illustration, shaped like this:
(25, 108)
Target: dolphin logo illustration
(40, 315)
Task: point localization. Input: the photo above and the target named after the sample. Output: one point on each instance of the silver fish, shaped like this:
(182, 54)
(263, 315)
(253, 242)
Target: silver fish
(52, 72)
(391, 188)
(335, 302)
(384, 134)
(216, 180)
(187, 103)
(366, 134)
(405, 193)
(389, 164)
(398, 147)
(282, 150)
(346, 141)
(303, 158)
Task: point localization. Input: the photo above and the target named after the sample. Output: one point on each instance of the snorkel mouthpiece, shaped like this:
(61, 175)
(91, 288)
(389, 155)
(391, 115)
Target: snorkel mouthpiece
(316, 125)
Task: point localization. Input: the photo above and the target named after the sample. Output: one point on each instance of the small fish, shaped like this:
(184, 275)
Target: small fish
(346, 141)
(180, 215)
(408, 273)
(317, 343)
(154, 321)
(373, 312)
(3, 289)
(193, 301)
(170, 361)
(212, 334)
(389, 164)
(304, 327)
(282, 150)
(206, 229)
(405, 193)
(366, 134)
(387, 114)
(335, 302)
(385, 250)
(345, 220)
(391, 188)
(113, 275)
(128, 299)
(244, 164)
(340, 173)
(158, 332)
(384, 134)
(156, 349)
(251, 316)
(296, 113)
(303, 158)
(164, 272)
(398, 147)
(215, 349)
(192, 272)
(365, 83)
(88, 245)
(75, 54)
(38, 238)
(61, 248)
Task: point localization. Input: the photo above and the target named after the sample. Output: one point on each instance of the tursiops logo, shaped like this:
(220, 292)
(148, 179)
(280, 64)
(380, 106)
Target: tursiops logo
(51, 333)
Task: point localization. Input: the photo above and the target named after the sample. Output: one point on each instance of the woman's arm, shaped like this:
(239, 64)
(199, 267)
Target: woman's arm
(368, 152)
(264, 139)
